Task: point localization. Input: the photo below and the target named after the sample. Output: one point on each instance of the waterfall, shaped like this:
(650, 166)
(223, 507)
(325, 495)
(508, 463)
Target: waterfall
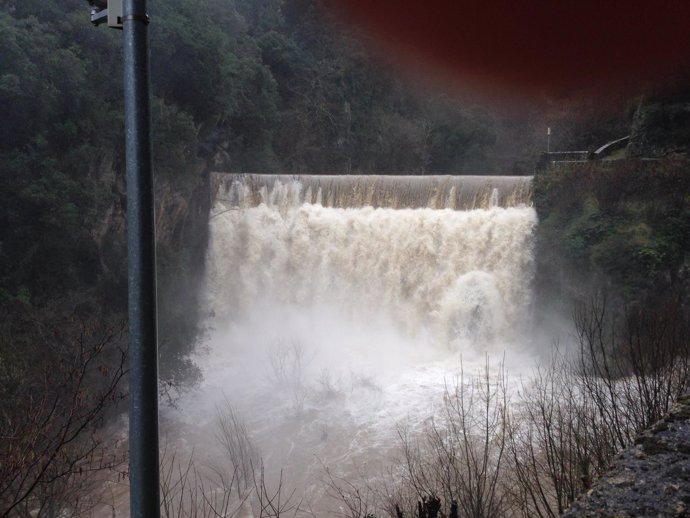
(457, 276)
(338, 308)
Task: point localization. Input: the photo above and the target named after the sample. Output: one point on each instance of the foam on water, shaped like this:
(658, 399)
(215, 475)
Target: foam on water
(328, 327)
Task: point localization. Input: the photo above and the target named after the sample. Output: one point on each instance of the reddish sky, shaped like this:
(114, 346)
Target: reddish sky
(532, 47)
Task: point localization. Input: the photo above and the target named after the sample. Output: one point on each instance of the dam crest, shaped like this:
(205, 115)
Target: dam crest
(378, 191)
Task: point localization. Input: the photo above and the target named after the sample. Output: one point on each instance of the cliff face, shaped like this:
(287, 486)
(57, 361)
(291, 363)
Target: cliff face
(181, 240)
(649, 479)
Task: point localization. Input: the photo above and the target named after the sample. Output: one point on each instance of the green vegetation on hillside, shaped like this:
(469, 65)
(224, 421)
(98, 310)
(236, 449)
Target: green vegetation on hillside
(622, 228)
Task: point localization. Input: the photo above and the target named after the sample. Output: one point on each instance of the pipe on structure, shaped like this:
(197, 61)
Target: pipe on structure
(141, 256)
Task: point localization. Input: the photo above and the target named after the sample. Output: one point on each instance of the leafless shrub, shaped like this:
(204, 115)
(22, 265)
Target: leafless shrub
(555, 442)
(54, 447)
(355, 500)
(392, 496)
(576, 414)
(190, 492)
(367, 495)
(362, 381)
(230, 487)
(240, 454)
(634, 370)
(288, 363)
(328, 388)
(273, 502)
(460, 457)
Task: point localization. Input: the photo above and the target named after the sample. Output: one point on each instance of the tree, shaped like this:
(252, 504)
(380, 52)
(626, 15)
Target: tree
(576, 414)
(57, 389)
(232, 485)
(461, 456)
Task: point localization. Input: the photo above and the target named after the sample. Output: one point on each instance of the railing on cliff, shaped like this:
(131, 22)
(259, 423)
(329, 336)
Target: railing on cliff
(550, 159)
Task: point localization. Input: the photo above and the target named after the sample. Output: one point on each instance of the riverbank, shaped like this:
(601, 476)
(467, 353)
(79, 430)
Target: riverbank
(649, 479)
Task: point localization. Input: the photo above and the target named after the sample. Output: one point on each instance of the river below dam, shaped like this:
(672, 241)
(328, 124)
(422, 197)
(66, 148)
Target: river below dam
(338, 315)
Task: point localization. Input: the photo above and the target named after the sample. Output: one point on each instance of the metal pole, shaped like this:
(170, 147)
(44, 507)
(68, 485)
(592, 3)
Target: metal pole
(143, 353)
(548, 140)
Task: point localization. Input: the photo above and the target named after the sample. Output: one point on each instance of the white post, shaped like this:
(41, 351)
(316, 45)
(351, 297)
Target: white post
(548, 139)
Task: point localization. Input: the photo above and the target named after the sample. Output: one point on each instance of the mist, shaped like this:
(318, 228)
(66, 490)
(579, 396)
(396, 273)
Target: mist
(330, 328)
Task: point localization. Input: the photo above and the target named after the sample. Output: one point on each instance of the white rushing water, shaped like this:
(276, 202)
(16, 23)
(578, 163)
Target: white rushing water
(328, 327)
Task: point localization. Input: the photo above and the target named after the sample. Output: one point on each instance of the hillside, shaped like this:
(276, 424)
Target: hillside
(265, 86)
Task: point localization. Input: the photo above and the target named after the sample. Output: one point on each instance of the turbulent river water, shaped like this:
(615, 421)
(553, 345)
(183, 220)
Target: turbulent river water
(338, 309)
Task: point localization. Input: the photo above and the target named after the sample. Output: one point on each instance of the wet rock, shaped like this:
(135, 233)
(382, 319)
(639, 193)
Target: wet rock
(648, 480)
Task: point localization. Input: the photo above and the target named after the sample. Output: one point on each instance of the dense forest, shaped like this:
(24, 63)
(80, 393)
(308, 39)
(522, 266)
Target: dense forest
(261, 86)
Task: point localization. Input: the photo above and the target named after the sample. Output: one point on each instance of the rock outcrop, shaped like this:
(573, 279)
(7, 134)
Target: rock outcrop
(649, 479)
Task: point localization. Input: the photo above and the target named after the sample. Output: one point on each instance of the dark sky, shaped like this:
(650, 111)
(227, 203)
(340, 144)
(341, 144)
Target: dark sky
(532, 47)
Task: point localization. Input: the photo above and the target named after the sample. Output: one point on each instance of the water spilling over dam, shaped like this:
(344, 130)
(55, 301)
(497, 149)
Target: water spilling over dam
(378, 191)
(338, 307)
(454, 274)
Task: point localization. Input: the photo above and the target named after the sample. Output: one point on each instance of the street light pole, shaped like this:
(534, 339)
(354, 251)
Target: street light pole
(141, 256)
(131, 16)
